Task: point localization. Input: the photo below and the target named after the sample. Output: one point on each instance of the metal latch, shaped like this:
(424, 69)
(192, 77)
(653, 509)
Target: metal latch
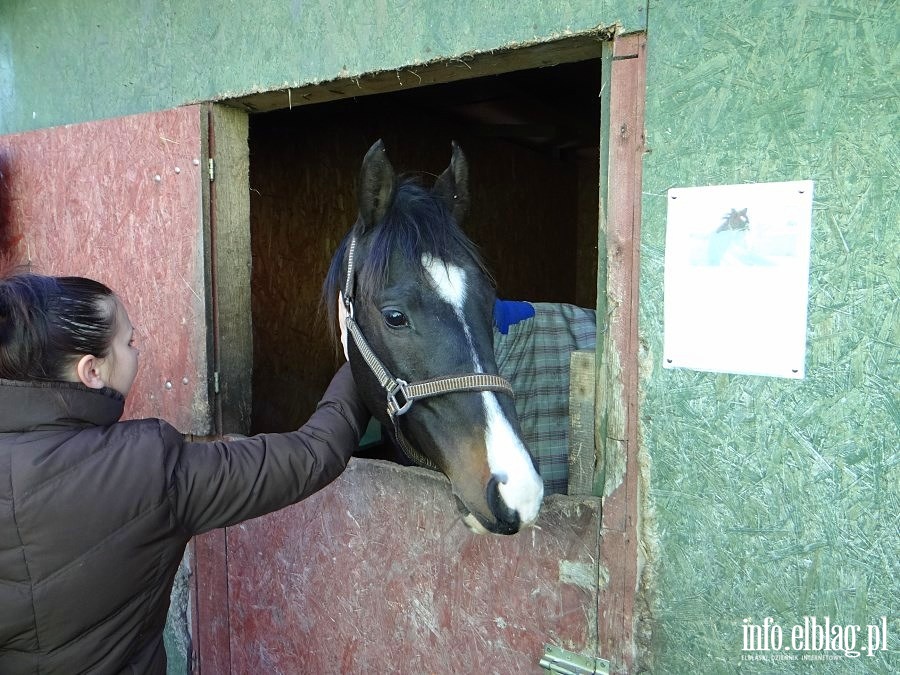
(558, 660)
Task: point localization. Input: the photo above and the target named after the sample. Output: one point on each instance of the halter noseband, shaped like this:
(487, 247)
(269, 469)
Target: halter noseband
(401, 394)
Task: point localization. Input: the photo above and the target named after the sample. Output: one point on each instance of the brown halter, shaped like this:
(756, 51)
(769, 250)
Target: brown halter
(401, 394)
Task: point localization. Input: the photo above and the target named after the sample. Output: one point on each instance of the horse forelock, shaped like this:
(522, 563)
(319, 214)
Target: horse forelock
(417, 224)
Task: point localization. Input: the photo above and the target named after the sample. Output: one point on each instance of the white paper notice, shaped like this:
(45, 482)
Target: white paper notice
(737, 278)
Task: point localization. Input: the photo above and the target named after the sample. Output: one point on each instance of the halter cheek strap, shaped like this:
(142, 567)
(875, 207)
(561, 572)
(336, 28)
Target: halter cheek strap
(400, 394)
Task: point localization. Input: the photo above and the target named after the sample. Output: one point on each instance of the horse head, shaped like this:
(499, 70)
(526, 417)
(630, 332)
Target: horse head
(420, 340)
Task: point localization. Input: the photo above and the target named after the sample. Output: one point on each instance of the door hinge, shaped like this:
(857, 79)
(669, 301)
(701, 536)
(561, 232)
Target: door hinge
(212, 169)
(558, 660)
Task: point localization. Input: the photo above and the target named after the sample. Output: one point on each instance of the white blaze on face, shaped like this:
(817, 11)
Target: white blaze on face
(450, 284)
(523, 489)
(520, 486)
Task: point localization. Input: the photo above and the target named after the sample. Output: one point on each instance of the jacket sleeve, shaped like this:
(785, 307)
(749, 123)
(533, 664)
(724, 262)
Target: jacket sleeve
(221, 483)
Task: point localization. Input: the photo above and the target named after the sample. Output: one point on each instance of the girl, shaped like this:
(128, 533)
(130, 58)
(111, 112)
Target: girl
(95, 513)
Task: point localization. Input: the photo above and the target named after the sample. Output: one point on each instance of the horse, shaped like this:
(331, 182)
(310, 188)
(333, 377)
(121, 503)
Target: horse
(417, 301)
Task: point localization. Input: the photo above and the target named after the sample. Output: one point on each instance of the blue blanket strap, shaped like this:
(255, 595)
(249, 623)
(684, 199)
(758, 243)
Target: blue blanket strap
(510, 312)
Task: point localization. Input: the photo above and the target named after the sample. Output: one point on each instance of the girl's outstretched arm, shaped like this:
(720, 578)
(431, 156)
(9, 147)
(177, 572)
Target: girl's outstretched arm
(221, 483)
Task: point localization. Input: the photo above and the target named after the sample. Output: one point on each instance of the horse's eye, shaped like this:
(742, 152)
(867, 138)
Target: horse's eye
(394, 318)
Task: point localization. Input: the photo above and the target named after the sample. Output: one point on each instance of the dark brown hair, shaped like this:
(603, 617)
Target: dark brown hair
(47, 322)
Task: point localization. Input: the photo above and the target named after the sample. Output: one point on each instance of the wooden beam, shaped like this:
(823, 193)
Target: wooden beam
(230, 261)
(582, 452)
(619, 373)
(576, 47)
(212, 648)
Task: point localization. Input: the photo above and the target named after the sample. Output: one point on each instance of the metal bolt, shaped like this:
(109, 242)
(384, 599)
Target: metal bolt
(168, 384)
(177, 169)
(196, 162)
(157, 178)
(184, 380)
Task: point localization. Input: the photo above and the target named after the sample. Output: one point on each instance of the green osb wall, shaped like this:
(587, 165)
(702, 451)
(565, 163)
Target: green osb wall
(63, 61)
(770, 497)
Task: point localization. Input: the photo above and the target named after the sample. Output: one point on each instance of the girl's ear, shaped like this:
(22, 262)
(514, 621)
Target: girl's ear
(88, 371)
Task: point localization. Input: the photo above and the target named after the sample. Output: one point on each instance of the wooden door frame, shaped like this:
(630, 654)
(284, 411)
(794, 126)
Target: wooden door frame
(616, 401)
(228, 259)
(616, 429)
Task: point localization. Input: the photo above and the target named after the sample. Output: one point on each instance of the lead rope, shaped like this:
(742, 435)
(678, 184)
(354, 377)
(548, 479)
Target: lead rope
(410, 392)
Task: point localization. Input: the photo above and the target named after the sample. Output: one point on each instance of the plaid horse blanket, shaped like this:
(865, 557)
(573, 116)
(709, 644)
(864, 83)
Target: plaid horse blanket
(532, 345)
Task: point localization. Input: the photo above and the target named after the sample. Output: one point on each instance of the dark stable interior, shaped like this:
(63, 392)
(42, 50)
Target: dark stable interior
(531, 138)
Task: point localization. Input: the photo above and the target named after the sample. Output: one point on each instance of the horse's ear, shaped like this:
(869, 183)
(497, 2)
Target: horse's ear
(376, 185)
(453, 184)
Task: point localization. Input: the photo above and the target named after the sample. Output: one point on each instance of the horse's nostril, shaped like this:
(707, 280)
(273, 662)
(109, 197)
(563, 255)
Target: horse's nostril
(502, 478)
(508, 520)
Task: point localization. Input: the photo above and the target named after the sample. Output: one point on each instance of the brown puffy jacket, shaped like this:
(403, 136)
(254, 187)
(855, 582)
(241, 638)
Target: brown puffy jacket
(95, 515)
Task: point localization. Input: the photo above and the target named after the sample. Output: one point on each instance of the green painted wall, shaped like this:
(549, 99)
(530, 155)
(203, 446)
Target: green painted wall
(769, 497)
(765, 497)
(63, 61)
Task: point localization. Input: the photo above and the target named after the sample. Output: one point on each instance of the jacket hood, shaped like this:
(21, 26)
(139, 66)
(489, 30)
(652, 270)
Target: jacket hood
(29, 406)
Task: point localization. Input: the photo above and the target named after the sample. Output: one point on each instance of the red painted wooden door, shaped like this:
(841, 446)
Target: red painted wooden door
(377, 574)
(121, 201)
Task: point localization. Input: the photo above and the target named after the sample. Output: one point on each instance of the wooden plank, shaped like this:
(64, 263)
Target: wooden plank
(121, 200)
(618, 549)
(377, 573)
(541, 54)
(582, 451)
(603, 352)
(230, 267)
(209, 601)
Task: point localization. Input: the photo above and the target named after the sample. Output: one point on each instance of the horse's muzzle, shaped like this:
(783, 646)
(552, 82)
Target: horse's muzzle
(502, 519)
(507, 521)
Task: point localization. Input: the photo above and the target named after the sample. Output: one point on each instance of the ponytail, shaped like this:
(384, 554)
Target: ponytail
(48, 322)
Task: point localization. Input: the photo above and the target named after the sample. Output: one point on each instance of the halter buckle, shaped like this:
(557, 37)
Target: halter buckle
(394, 407)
